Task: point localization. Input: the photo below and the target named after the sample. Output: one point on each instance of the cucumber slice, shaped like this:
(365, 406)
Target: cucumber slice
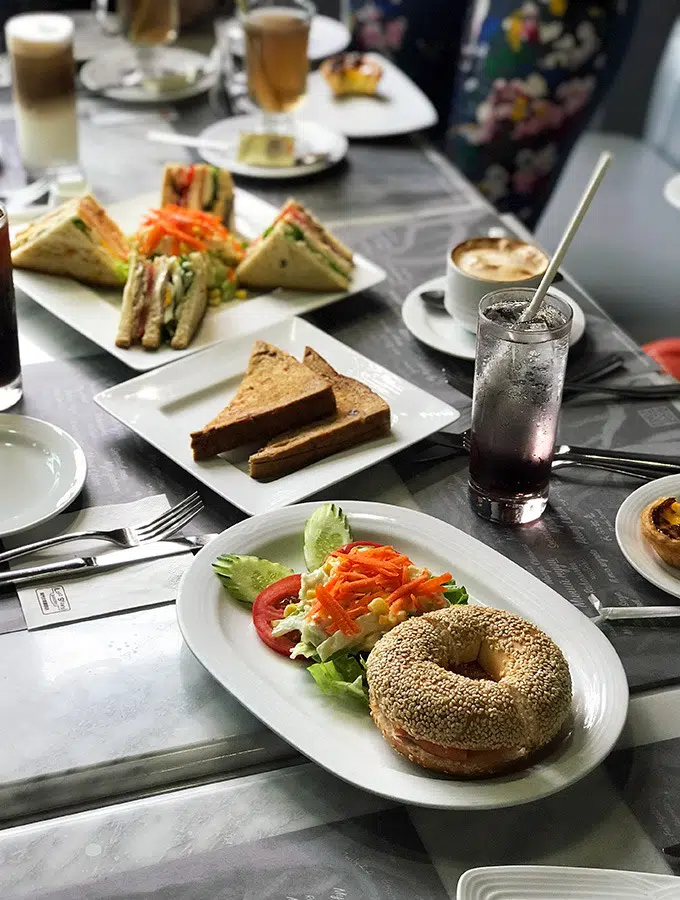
(246, 576)
(325, 530)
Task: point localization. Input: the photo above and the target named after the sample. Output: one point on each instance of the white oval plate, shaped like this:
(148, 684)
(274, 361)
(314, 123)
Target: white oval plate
(629, 536)
(310, 138)
(220, 633)
(558, 883)
(108, 68)
(399, 108)
(42, 470)
(327, 36)
(440, 331)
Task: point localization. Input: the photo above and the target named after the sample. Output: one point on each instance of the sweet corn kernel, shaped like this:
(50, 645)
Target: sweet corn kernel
(290, 609)
(378, 606)
(241, 294)
(384, 620)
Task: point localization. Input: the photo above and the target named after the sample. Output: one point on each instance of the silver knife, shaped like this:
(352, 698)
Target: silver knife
(87, 565)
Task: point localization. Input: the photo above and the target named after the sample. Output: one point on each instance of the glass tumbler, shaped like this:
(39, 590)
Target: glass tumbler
(519, 376)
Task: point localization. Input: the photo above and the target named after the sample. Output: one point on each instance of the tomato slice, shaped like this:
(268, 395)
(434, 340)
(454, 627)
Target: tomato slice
(349, 546)
(268, 608)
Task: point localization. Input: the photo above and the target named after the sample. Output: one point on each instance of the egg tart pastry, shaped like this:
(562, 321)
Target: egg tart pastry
(351, 74)
(660, 523)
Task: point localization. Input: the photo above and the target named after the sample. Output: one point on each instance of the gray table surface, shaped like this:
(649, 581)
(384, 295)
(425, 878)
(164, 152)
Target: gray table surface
(118, 706)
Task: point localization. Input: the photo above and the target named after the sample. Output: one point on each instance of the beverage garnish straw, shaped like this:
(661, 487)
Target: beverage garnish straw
(595, 179)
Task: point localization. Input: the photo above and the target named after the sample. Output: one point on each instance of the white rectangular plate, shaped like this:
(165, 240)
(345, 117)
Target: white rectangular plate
(341, 736)
(166, 405)
(95, 312)
(400, 108)
(558, 883)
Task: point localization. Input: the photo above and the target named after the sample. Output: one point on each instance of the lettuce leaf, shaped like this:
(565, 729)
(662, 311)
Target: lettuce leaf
(343, 676)
(456, 595)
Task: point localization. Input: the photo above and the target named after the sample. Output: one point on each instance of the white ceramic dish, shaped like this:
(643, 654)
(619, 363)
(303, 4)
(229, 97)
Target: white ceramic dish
(42, 471)
(281, 693)
(310, 138)
(438, 330)
(629, 536)
(104, 72)
(95, 312)
(558, 883)
(165, 406)
(326, 37)
(400, 108)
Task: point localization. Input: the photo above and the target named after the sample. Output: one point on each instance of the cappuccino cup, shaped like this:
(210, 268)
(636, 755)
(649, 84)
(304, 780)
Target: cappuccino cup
(477, 266)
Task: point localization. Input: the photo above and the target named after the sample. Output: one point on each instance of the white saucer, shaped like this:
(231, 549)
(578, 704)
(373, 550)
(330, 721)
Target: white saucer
(310, 138)
(42, 470)
(104, 71)
(629, 536)
(327, 36)
(441, 332)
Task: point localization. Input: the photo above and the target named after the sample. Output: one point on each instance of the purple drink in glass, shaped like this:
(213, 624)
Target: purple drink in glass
(10, 365)
(519, 375)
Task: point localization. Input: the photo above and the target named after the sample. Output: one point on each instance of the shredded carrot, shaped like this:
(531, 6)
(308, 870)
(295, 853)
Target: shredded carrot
(189, 228)
(335, 611)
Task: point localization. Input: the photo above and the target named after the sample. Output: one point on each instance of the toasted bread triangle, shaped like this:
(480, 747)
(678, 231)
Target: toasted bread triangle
(277, 393)
(360, 415)
(54, 244)
(278, 262)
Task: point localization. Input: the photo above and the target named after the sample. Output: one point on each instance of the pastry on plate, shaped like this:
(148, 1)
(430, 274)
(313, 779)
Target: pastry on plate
(352, 74)
(660, 524)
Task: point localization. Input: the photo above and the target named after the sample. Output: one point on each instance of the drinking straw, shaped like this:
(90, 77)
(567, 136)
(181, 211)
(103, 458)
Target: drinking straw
(571, 229)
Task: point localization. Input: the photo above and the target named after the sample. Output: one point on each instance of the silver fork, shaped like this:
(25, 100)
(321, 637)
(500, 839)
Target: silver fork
(158, 529)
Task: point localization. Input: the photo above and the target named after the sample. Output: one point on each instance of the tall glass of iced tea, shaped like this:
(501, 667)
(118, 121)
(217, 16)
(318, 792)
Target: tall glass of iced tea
(10, 365)
(276, 39)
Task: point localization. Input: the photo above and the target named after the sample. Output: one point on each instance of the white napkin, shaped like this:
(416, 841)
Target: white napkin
(70, 598)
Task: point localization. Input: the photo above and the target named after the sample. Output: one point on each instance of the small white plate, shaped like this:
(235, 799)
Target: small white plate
(103, 72)
(166, 405)
(400, 108)
(439, 330)
(341, 737)
(310, 138)
(42, 470)
(629, 535)
(327, 36)
(558, 883)
(95, 312)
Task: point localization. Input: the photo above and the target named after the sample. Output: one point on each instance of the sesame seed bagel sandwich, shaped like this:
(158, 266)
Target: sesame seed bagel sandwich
(468, 690)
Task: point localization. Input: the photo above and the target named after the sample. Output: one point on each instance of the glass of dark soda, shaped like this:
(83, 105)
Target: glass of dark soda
(10, 365)
(519, 376)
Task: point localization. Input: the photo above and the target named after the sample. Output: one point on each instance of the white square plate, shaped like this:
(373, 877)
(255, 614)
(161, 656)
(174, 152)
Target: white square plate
(558, 883)
(95, 312)
(165, 406)
(400, 107)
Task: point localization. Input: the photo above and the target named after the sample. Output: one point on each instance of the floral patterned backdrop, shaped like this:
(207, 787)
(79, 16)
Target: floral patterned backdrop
(528, 76)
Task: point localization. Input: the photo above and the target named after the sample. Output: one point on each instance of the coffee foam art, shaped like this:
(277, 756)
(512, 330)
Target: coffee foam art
(499, 259)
